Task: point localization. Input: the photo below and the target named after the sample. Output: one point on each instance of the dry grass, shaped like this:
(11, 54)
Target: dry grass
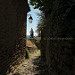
(30, 44)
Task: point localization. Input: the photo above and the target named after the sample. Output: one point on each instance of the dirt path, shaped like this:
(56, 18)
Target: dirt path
(29, 66)
(32, 66)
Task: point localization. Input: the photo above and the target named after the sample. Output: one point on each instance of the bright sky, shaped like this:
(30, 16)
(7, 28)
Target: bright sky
(34, 23)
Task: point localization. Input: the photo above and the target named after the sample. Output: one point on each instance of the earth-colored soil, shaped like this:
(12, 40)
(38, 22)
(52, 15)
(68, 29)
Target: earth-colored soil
(30, 44)
(32, 66)
(28, 67)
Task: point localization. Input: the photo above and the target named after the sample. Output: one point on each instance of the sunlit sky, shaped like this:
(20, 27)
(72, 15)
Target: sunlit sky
(35, 17)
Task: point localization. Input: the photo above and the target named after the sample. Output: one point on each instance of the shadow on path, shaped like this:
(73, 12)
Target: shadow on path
(33, 66)
(41, 68)
(16, 74)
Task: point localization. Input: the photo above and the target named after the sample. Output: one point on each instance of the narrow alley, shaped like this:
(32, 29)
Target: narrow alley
(37, 37)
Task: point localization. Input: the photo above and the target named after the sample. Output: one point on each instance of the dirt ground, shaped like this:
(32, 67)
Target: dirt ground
(31, 66)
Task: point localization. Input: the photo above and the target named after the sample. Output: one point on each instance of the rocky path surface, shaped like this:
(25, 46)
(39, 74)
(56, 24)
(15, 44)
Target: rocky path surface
(32, 66)
(29, 66)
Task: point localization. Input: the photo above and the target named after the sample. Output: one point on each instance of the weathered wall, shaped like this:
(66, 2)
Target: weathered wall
(12, 32)
(59, 52)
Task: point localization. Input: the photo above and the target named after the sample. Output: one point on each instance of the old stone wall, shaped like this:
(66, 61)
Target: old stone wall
(12, 33)
(58, 45)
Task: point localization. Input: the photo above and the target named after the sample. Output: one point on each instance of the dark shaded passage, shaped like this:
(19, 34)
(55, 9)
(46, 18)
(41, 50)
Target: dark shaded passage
(41, 66)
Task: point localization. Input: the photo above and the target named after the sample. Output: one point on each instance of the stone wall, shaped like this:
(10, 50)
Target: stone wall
(12, 33)
(57, 43)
